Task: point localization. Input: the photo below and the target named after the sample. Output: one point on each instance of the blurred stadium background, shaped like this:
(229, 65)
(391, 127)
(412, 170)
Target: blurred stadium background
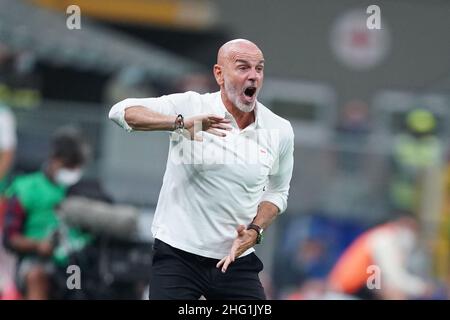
(347, 91)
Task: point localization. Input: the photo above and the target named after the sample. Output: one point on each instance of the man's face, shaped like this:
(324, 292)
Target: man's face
(243, 75)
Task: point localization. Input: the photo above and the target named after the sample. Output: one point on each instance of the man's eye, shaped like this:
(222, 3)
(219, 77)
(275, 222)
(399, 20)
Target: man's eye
(259, 69)
(242, 68)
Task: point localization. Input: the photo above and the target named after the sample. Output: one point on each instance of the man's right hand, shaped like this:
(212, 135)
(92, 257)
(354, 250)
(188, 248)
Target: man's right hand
(44, 248)
(207, 122)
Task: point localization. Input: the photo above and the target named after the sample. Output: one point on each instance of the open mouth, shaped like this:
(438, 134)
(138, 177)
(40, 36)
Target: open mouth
(250, 92)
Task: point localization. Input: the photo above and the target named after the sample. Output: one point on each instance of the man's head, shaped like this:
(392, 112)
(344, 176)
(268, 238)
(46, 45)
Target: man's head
(67, 156)
(240, 73)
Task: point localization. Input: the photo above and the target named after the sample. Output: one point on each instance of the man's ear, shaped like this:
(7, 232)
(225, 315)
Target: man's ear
(218, 74)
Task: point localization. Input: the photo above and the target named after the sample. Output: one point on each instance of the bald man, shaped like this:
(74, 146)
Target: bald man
(227, 178)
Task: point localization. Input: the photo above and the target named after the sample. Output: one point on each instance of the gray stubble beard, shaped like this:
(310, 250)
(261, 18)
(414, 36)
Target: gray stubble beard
(234, 97)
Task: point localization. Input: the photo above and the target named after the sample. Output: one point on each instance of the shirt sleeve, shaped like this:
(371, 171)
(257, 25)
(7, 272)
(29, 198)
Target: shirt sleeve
(172, 104)
(8, 139)
(280, 176)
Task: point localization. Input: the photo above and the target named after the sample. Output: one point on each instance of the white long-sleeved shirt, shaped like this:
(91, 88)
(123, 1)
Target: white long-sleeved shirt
(211, 187)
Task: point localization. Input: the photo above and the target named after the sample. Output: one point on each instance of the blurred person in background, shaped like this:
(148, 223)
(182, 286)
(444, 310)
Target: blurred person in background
(301, 258)
(7, 151)
(415, 150)
(354, 124)
(8, 141)
(203, 205)
(442, 249)
(349, 187)
(30, 219)
(389, 248)
(352, 133)
(445, 234)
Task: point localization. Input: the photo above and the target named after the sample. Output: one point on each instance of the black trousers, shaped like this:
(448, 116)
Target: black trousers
(179, 275)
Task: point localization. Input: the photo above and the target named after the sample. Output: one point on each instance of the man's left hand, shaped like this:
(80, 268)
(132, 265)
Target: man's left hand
(244, 240)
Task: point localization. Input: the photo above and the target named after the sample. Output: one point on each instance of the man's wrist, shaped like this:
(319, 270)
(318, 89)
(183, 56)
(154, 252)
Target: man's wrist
(258, 230)
(254, 235)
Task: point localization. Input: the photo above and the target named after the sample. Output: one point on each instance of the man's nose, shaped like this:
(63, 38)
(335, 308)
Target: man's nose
(253, 75)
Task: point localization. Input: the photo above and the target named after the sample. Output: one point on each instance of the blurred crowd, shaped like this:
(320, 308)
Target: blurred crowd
(404, 255)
